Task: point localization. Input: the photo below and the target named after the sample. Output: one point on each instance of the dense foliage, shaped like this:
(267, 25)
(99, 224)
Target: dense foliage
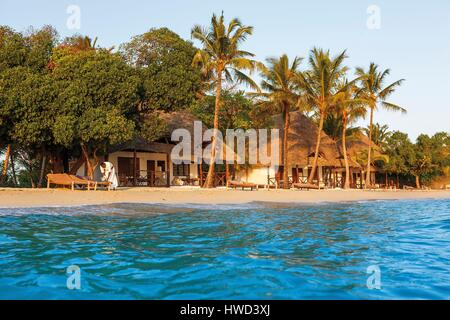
(425, 160)
(164, 63)
(65, 102)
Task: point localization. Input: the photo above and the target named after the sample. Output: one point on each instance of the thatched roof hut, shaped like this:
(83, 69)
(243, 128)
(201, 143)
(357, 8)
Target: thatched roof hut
(302, 142)
(174, 120)
(179, 120)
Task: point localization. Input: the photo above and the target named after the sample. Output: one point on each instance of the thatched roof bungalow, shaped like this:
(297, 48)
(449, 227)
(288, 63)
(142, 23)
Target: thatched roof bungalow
(142, 163)
(301, 150)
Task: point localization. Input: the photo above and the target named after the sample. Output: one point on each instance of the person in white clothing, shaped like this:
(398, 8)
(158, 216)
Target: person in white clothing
(109, 174)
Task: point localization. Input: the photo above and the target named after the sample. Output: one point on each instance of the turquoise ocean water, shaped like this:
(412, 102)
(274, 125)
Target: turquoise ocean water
(254, 251)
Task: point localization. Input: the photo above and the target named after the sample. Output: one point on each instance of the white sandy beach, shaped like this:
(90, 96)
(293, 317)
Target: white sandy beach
(10, 198)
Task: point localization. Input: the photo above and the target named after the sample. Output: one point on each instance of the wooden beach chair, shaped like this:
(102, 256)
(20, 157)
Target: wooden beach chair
(242, 185)
(306, 186)
(63, 179)
(95, 184)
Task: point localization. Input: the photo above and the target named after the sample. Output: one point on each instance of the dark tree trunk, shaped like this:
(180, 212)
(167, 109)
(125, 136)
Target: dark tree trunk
(417, 182)
(13, 168)
(344, 149)
(65, 156)
(30, 172)
(285, 146)
(90, 166)
(316, 154)
(368, 183)
(42, 171)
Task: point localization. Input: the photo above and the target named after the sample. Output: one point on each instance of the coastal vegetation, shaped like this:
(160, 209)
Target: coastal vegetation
(64, 102)
(222, 59)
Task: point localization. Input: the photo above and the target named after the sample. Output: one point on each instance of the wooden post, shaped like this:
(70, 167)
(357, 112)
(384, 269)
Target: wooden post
(201, 175)
(168, 170)
(361, 179)
(134, 168)
(226, 172)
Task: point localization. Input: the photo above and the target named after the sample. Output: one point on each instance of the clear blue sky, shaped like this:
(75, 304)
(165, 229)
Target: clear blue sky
(414, 39)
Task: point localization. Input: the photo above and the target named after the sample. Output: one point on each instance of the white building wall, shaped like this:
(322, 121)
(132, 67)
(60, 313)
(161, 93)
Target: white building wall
(255, 175)
(259, 175)
(143, 157)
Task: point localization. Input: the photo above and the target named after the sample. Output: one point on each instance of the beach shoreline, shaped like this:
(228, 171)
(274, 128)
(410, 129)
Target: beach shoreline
(27, 198)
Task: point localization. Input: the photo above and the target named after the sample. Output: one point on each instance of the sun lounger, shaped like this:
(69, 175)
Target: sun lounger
(306, 186)
(64, 179)
(243, 185)
(405, 187)
(94, 183)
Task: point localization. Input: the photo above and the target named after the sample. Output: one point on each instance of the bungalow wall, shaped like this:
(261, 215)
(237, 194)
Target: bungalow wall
(146, 162)
(260, 175)
(255, 175)
(326, 175)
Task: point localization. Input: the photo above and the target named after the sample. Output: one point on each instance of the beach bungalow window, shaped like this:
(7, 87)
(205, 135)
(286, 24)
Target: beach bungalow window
(156, 166)
(126, 166)
(181, 170)
(161, 164)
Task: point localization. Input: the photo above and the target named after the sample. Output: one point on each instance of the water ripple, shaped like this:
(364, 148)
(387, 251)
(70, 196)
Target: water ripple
(131, 251)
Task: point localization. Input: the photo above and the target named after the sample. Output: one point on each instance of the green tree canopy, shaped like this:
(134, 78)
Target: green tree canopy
(401, 153)
(164, 62)
(237, 111)
(26, 98)
(431, 156)
(96, 104)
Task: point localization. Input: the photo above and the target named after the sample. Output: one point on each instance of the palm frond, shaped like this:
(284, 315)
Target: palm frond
(393, 107)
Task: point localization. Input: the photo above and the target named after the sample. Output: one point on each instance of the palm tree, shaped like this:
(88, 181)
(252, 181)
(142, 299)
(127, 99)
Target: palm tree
(281, 94)
(319, 85)
(350, 108)
(380, 133)
(81, 43)
(375, 93)
(221, 59)
(332, 126)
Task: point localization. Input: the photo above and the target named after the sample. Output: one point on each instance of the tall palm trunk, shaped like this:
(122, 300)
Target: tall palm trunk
(5, 164)
(370, 150)
(210, 178)
(344, 149)
(285, 146)
(316, 153)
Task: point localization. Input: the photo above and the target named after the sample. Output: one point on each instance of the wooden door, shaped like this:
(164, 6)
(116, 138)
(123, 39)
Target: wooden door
(125, 169)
